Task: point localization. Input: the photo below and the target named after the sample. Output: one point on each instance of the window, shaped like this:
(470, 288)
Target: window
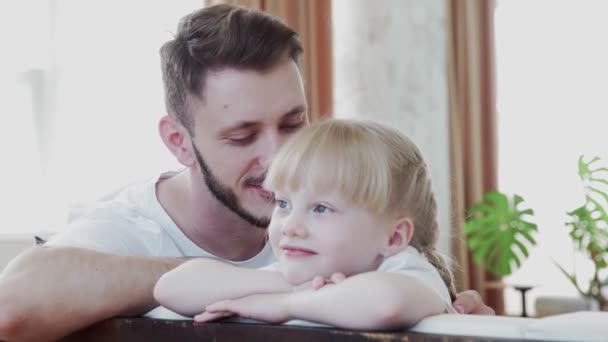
(82, 95)
(552, 74)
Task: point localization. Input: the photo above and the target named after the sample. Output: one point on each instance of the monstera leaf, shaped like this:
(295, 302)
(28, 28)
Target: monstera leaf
(589, 223)
(588, 235)
(498, 233)
(589, 226)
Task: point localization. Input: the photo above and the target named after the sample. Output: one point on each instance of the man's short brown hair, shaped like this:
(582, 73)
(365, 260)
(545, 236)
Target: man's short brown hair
(217, 37)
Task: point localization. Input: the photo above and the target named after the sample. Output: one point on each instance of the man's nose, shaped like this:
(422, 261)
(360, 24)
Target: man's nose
(268, 148)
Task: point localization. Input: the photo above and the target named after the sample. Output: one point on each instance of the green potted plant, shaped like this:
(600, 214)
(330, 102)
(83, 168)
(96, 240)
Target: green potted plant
(499, 232)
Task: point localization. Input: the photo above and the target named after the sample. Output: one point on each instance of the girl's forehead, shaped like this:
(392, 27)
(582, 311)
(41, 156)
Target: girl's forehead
(314, 194)
(307, 189)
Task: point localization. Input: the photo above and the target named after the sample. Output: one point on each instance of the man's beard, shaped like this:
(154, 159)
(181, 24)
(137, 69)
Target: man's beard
(227, 197)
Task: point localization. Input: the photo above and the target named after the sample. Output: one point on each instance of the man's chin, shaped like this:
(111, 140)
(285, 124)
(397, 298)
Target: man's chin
(262, 211)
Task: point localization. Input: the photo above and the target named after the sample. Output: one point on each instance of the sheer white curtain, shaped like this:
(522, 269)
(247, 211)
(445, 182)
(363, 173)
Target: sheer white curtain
(552, 75)
(81, 97)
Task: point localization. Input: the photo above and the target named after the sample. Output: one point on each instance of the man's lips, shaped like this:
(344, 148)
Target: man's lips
(261, 191)
(296, 252)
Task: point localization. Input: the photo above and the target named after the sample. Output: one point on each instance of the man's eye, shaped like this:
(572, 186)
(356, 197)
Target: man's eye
(320, 208)
(292, 126)
(242, 140)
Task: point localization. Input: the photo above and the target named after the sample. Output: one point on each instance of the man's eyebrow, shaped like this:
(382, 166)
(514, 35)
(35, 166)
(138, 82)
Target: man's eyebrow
(295, 111)
(300, 109)
(238, 126)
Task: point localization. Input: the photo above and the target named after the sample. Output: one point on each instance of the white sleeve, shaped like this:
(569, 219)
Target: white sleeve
(411, 263)
(274, 267)
(113, 230)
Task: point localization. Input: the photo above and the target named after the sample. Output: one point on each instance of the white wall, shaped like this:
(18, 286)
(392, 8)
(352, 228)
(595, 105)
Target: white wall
(390, 65)
(11, 245)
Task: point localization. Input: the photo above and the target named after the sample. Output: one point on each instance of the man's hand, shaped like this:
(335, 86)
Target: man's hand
(469, 302)
(264, 307)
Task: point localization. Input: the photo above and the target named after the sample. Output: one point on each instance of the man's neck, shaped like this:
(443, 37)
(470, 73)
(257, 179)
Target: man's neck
(206, 221)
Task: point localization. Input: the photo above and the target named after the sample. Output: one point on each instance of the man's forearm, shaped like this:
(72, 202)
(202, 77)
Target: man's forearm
(46, 293)
(367, 301)
(192, 286)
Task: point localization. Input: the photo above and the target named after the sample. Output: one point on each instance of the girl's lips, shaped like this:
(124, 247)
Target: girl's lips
(296, 252)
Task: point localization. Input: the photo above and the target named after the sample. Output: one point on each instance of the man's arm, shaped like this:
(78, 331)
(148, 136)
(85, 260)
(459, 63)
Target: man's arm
(189, 288)
(49, 292)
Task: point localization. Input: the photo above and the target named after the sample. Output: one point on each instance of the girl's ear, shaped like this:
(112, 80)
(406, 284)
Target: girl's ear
(400, 236)
(177, 139)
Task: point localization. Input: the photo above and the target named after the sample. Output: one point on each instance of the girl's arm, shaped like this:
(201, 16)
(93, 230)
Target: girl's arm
(372, 301)
(189, 288)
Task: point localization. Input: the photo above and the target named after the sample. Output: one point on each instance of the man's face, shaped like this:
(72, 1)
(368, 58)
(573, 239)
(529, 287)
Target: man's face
(244, 118)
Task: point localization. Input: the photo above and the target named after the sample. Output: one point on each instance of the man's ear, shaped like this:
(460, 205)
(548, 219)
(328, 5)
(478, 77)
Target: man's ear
(177, 139)
(400, 236)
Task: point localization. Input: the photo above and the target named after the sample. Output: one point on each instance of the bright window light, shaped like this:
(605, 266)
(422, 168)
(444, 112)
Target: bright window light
(84, 98)
(552, 78)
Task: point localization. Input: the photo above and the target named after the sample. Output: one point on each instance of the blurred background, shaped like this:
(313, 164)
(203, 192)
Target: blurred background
(500, 95)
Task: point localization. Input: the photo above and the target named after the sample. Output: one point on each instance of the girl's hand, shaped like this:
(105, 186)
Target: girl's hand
(264, 307)
(319, 282)
(207, 316)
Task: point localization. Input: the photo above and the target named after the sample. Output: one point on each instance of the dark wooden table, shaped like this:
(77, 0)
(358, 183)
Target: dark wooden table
(144, 329)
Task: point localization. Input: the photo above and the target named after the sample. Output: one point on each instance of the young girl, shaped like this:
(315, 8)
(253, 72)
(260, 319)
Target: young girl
(354, 233)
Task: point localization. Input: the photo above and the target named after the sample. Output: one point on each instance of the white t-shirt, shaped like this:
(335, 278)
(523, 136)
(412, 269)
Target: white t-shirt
(412, 263)
(132, 221)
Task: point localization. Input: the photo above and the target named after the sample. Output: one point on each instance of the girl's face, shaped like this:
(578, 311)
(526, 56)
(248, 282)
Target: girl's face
(321, 233)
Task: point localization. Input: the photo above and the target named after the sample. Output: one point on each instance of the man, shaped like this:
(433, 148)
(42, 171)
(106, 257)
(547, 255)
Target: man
(233, 94)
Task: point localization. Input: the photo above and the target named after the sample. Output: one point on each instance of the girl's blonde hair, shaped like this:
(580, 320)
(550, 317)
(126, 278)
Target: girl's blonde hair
(372, 165)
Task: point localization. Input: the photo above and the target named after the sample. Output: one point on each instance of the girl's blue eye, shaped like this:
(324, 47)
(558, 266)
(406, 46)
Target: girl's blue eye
(281, 204)
(320, 208)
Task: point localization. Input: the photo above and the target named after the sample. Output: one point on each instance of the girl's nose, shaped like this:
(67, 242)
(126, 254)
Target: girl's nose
(294, 228)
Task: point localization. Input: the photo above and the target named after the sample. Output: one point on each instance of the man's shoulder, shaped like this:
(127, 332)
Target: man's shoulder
(126, 203)
(112, 229)
(122, 222)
